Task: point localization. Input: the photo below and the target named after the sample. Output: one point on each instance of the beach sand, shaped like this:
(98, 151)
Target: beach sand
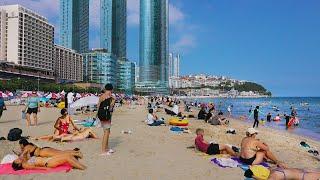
(151, 152)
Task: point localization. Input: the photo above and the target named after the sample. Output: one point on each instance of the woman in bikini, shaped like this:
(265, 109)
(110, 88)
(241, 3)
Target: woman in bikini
(29, 150)
(45, 163)
(293, 173)
(254, 152)
(62, 132)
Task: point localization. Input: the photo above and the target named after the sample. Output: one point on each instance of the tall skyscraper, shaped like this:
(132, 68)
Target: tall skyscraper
(170, 67)
(26, 39)
(113, 25)
(74, 24)
(153, 46)
(176, 66)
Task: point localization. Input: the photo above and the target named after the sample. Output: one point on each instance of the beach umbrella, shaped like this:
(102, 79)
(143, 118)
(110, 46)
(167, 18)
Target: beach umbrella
(52, 96)
(78, 95)
(9, 93)
(63, 93)
(4, 95)
(25, 95)
(85, 101)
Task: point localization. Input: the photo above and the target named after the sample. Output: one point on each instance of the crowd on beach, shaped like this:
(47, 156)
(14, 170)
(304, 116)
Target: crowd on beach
(252, 151)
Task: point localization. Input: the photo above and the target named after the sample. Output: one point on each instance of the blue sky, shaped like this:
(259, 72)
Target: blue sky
(275, 43)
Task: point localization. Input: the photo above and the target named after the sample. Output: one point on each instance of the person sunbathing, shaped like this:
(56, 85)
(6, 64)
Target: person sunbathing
(45, 163)
(260, 172)
(294, 174)
(80, 135)
(211, 148)
(62, 124)
(77, 135)
(30, 150)
(253, 151)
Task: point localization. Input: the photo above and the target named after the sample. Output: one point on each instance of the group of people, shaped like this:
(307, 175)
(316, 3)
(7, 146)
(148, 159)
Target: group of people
(254, 152)
(211, 116)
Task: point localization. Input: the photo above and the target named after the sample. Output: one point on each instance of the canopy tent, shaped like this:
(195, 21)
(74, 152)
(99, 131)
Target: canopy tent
(85, 101)
(4, 95)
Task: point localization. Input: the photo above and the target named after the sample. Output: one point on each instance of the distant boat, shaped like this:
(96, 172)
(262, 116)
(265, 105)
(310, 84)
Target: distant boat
(304, 104)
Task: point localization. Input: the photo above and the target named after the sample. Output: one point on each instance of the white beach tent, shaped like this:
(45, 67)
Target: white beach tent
(85, 101)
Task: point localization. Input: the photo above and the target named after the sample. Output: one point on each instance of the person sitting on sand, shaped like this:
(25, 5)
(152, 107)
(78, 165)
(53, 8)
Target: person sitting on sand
(211, 148)
(202, 113)
(218, 120)
(45, 163)
(153, 120)
(30, 150)
(63, 122)
(253, 151)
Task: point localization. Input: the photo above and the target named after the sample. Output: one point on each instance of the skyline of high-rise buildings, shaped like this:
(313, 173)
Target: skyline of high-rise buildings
(113, 27)
(74, 25)
(74, 42)
(153, 46)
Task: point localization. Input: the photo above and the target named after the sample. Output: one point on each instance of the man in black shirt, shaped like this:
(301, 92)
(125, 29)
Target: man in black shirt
(256, 116)
(287, 117)
(269, 117)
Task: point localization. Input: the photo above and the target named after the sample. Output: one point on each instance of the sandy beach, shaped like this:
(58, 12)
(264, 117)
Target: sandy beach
(151, 152)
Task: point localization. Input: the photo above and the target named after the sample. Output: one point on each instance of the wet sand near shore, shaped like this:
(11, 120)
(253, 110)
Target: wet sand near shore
(151, 152)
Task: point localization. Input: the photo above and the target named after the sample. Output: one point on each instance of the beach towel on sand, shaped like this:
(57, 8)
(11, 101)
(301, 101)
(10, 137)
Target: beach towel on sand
(6, 169)
(232, 162)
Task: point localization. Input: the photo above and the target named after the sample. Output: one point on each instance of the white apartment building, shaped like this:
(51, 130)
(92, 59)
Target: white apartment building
(68, 64)
(27, 39)
(176, 66)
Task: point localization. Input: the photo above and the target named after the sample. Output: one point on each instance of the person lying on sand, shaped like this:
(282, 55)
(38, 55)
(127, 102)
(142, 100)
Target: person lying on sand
(45, 163)
(253, 151)
(211, 149)
(28, 149)
(218, 119)
(76, 136)
(260, 172)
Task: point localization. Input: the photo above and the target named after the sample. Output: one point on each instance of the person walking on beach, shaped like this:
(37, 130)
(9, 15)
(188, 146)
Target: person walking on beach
(105, 108)
(2, 105)
(32, 108)
(229, 111)
(256, 117)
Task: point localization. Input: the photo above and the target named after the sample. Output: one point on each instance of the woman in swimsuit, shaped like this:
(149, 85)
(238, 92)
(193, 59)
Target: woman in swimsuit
(63, 122)
(294, 174)
(30, 150)
(254, 152)
(86, 133)
(42, 163)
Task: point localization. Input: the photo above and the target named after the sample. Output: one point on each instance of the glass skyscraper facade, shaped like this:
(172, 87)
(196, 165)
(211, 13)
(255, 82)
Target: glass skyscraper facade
(126, 76)
(113, 25)
(153, 62)
(99, 67)
(74, 24)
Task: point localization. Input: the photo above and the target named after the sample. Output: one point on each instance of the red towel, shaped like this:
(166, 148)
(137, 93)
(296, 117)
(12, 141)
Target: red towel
(6, 169)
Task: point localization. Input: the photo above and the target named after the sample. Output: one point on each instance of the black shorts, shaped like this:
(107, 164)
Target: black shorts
(32, 110)
(248, 161)
(213, 149)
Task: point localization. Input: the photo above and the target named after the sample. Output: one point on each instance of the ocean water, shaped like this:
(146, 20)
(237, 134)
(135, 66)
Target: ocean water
(308, 109)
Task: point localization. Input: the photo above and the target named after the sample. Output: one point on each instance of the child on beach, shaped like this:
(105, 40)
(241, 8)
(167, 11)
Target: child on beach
(211, 148)
(105, 108)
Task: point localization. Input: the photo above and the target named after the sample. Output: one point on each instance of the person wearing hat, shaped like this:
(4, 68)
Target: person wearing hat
(253, 151)
(105, 108)
(2, 105)
(32, 107)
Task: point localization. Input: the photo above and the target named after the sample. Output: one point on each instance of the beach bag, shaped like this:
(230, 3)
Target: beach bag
(259, 171)
(14, 134)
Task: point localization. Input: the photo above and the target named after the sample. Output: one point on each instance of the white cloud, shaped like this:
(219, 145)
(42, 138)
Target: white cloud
(133, 8)
(95, 13)
(175, 14)
(185, 42)
(47, 8)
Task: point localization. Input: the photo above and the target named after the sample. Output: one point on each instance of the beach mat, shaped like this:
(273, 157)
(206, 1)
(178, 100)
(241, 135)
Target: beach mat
(232, 162)
(6, 169)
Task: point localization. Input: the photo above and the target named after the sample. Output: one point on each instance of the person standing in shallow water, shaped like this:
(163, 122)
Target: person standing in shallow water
(256, 117)
(105, 108)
